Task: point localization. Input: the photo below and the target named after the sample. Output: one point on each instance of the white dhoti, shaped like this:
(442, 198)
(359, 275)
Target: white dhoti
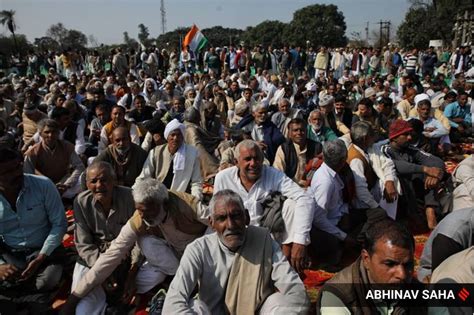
(160, 262)
(94, 302)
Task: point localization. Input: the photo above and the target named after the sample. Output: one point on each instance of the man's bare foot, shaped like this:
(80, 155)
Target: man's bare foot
(431, 218)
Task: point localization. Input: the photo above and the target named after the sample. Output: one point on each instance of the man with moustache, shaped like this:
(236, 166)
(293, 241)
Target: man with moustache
(175, 163)
(99, 214)
(292, 156)
(316, 130)
(126, 157)
(32, 226)
(387, 258)
(239, 269)
(256, 183)
(163, 224)
(118, 120)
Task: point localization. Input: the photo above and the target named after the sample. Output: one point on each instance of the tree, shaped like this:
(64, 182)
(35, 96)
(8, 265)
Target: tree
(219, 36)
(357, 41)
(130, 42)
(143, 34)
(67, 38)
(320, 24)
(93, 42)
(75, 39)
(265, 33)
(57, 32)
(8, 45)
(46, 43)
(172, 39)
(7, 18)
(427, 20)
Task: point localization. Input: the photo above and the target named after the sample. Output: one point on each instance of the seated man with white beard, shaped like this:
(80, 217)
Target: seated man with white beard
(164, 223)
(317, 131)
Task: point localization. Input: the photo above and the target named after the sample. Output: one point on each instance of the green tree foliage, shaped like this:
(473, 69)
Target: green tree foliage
(129, 42)
(7, 17)
(46, 43)
(427, 19)
(265, 33)
(57, 32)
(412, 32)
(219, 36)
(320, 24)
(65, 37)
(172, 39)
(7, 44)
(75, 39)
(143, 34)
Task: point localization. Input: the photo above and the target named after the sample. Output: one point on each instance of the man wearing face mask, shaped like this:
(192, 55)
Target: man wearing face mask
(163, 224)
(126, 157)
(239, 269)
(99, 214)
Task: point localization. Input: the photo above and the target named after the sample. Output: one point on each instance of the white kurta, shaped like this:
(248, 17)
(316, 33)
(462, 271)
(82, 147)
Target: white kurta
(298, 218)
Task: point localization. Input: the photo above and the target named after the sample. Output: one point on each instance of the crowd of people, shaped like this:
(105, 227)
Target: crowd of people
(220, 176)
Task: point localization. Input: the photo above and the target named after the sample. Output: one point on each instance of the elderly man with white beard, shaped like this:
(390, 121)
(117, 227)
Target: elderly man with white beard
(163, 224)
(316, 129)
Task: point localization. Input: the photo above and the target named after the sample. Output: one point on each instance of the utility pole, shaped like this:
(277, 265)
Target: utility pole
(388, 23)
(384, 36)
(163, 17)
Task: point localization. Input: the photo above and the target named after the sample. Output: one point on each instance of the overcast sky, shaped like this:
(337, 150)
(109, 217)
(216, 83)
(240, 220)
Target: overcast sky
(108, 19)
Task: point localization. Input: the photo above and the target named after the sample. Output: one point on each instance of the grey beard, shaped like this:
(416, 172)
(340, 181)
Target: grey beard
(316, 127)
(122, 152)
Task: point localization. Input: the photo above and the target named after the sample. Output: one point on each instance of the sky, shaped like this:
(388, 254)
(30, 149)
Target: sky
(108, 19)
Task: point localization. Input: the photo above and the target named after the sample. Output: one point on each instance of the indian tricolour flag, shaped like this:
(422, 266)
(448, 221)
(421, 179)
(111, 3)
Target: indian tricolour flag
(195, 39)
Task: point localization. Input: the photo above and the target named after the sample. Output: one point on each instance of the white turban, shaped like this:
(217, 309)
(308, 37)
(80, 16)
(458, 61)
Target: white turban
(172, 126)
(421, 97)
(179, 159)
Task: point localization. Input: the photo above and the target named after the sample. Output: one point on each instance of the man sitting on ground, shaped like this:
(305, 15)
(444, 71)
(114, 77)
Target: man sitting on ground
(32, 226)
(126, 158)
(292, 156)
(238, 269)
(175, 164)
(289, 219)
(99, 214)
(419, 172)
(387, 258)
(163, 224)
(55, 158)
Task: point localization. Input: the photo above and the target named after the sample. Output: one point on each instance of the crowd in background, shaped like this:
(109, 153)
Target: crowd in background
(325, 147)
